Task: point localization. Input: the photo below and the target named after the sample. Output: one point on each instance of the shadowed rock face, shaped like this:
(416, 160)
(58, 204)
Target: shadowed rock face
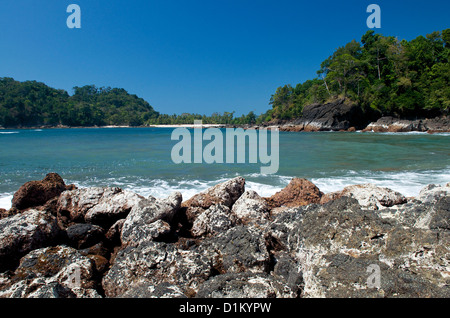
(298, 243)
(334, 116)
(52, 272)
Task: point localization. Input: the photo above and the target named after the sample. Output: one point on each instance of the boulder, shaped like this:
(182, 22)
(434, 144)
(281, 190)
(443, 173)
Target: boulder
(36, 193)
(96, 205)
(149, 219)
(350, 277)
(24, 232)
(250, 208)
(84, 235)
(392, 124)
(432, 215)
(298, 192)
(433, 192)
(59, 272)
(225, 193)
(369, 196)
(154, 263)
(240, 249)
(216, 219)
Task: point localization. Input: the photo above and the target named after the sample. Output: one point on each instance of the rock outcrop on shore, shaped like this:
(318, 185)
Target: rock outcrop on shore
(337, 115)
(363, 241)
(344, 115)
(391, 124)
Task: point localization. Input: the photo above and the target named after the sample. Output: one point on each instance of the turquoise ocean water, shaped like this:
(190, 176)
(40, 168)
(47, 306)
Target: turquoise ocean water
(139, 159)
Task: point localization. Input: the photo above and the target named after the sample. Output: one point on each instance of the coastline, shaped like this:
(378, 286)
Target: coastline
(439, 124)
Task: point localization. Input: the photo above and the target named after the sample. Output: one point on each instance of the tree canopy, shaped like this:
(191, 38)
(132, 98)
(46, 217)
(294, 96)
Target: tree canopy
(30, 103)
(393, 77)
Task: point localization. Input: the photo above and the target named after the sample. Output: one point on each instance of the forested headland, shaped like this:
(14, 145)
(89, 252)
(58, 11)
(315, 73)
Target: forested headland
(380, 73)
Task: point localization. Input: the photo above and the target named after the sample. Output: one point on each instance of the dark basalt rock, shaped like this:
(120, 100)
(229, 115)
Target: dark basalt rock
(337, 115)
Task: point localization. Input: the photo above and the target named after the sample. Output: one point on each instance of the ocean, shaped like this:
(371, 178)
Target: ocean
(139, 159)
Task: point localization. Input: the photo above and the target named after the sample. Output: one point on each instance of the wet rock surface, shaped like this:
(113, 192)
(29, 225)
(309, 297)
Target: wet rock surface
(363, 241)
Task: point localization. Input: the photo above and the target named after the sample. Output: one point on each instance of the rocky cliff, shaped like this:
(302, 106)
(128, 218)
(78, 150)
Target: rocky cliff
(344, 115)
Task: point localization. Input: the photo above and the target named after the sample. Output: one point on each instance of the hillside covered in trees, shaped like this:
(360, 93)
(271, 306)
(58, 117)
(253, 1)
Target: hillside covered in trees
(30, 103)
(392, 77)
(34, 104)
(381, 74)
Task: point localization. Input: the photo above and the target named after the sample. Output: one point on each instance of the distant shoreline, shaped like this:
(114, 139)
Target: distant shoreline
(384, 124)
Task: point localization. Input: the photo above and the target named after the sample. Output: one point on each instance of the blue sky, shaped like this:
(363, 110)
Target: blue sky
(194, 55)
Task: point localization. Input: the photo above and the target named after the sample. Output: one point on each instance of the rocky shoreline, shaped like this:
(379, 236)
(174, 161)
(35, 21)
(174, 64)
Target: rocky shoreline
(58, 241)
(341, 115)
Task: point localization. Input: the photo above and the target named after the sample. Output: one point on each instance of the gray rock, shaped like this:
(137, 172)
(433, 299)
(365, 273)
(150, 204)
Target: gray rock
(349, 277)
(428, 214)
(100, 206)
(287, 270)
(433, 192)
(251, 208)
(240, 249)
(441, 218)
(369, 196)
(24, 232)
(216, 219)
(149, 219)
(225, 193)
(153, 263)
(318, 237)
(244, 285)
(52, 272)
(392, 124)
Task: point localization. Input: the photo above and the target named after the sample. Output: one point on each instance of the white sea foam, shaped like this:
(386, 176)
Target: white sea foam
(5, 201)
(407, 183)
(8, 132)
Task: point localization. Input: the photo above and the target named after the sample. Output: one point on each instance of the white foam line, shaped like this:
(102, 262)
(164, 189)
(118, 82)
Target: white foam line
(5, 202)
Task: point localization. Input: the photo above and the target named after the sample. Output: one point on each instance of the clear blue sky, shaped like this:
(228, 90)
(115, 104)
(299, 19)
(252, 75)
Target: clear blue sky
(194, 55)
